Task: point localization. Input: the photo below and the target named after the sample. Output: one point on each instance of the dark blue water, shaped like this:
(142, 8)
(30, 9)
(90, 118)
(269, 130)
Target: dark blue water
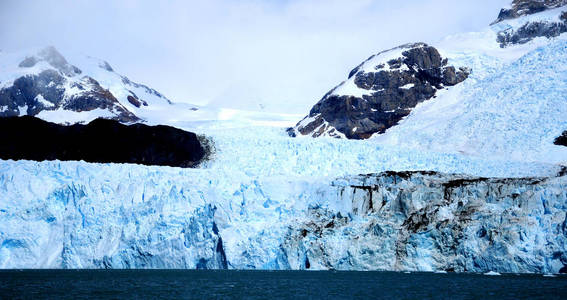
(70, 284)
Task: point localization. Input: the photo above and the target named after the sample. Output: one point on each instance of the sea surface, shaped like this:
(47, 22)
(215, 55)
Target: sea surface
(206, 284)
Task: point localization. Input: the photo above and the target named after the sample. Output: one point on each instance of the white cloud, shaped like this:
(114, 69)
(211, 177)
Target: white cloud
(289, 52)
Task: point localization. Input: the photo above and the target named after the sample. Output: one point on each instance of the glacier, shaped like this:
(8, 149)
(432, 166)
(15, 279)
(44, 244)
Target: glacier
(468, 182)
(239, 211)
(426, 221)
(520, 105)
(266, 201)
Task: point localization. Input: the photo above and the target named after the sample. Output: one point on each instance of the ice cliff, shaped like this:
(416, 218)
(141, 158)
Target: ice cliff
(427, 221)
(83, 215)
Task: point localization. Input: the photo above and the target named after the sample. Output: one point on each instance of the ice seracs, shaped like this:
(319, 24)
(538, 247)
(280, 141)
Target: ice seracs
(515, 113)
(80, 215)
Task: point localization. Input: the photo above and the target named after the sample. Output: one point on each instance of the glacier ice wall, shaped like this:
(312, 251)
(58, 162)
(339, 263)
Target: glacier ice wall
(82, 215)
(427, 221)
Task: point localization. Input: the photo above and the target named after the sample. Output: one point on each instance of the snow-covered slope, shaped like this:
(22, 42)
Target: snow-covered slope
(517, 111)
(548, 23)
(511, 106)
(74, 88)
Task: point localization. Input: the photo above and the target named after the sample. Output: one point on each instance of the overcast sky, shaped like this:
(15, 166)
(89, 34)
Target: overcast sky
(286, 53)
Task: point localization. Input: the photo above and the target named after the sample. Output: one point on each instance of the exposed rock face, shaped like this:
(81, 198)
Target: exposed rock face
(527, 7)
(134, 100)
(548, 28)
(104, 141)
(146, 89)
(380, 92)
(561, 140)
(424, 221)
(50, 83)
(531, 30)
(31, 94)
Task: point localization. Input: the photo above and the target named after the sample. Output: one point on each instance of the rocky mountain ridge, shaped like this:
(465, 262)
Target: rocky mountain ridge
(386, 88)
(46, 84)
(380, 92)
(521, 8)
(530, 19)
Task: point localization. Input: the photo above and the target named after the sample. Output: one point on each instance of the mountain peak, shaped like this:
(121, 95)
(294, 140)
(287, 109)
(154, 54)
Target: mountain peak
(53, 58)
(46, 84)
(380, 92)
(521, 8)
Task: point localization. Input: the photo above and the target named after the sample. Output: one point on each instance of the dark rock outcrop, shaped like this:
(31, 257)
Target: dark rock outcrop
(561, 140)
(102, 141)
(531, 30)
(134, 100)
(393, 88)
(105, 65)
(147, 89)
(527, 7)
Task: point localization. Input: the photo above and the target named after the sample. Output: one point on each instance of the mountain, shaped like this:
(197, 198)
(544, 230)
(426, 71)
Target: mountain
(78, 89)
(514, 112)
(380, 92)
(45, 84)
(529, 19)
(520, 8)
(505, 97)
